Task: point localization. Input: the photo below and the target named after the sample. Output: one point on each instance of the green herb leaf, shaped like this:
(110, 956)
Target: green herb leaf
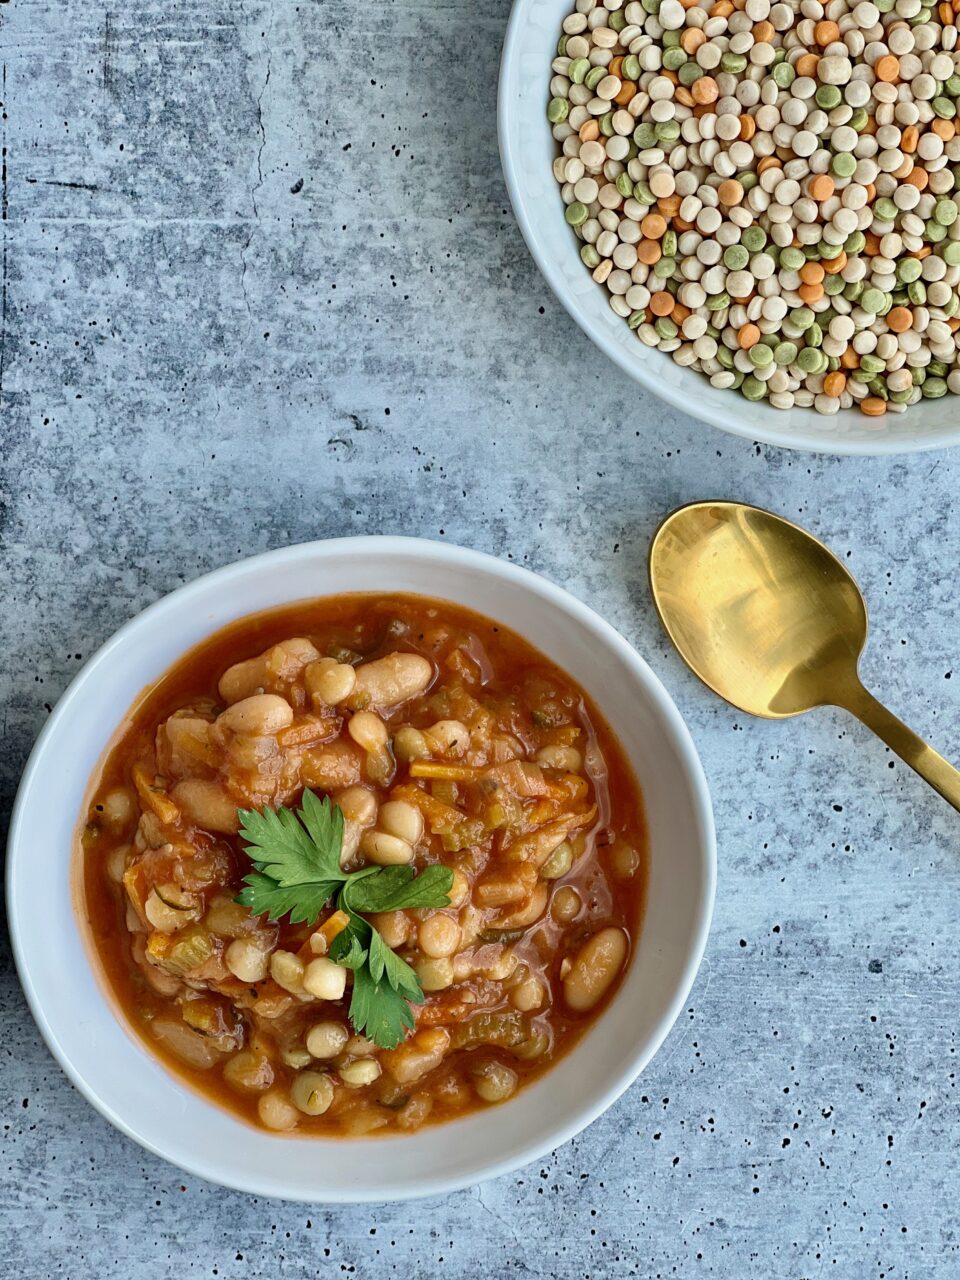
(293, 853)
(396, 888)
(297, 872)
(378, 1011)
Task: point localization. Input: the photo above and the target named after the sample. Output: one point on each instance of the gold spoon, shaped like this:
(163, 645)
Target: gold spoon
(771, 620)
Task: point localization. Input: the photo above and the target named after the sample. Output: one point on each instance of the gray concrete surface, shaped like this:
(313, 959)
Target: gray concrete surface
(262, 284)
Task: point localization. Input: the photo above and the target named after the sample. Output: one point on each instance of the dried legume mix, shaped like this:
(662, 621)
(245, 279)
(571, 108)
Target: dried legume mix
(767, 191)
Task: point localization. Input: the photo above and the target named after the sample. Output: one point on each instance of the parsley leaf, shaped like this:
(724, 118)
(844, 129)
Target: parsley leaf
(297, 853)
(396, 888)
(297, 872)
(378, 1011)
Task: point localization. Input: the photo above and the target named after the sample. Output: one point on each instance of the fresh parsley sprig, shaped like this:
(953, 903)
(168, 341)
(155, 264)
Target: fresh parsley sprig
(297, 872)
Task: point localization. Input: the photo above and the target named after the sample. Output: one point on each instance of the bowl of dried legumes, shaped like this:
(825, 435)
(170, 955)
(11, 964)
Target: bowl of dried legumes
(751, 206)
(360, 870)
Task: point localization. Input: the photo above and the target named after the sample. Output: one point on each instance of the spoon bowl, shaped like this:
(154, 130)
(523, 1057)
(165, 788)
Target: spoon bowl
(773, 622)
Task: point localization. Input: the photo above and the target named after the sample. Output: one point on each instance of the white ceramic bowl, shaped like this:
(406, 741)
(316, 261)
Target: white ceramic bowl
(137, 1094)
(527, 151)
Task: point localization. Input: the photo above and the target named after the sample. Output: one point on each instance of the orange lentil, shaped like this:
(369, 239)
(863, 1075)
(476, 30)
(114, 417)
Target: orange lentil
(692, 39)
(871, 191)
(806, 64)
(748, 337)
(944, 129)
(870, 126)
(722, 9)
(684, 96)
(681, 224)
(946, 14)
(872, 243)
(834, 265)
(653, 226)
(615, 64)
(748, 127)
(764, 32)
(850, 359)
(821, 187)
(873, 407)
(662, 303)
(909, 138)
(705, 90)
(627, 91)
(887, 68)
(669, 205)
(953, 324)
(688, 4)
(918, 178)
(589, 131)
(769, 162)
(671, 76)
(899, 319)
(811, 273)
(730, 191)
(923, 253)
(825, 33)
(835, 383)
(679, 313)
(649, 252)
(811, 292)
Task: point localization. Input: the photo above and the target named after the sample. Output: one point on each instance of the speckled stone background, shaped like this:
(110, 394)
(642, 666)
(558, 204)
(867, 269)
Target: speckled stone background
(261, 284)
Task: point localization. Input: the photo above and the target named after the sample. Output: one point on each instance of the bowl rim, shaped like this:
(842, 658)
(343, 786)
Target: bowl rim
(784, 438)
(216, 1168)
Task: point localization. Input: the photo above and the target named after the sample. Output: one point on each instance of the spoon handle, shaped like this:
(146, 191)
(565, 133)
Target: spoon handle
(909, 746)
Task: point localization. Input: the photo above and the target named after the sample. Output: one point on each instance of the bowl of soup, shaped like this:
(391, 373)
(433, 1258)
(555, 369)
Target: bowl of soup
(376, 867)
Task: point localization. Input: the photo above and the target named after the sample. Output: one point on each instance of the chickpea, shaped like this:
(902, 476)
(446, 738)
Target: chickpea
(327, 1039)
(206, 804)
(410, 744)
(312, 1092)
(394, 927)
(116, 863)
(385, 850)
(287, 970)
(460, 889)
(400, 819)
(118, 809)
(169, 909)
(296, 1057)
(529, 913)
(435, 974)
(247, 960)
(358, 804)
(276, 1111)
(449, 737)
(438, 936)
(418, 1055)
(329, 682)
(568, 759)
(566, 905)
(624, 860)
(528, 995)
(261, 715)
(559, 862)
(594, 968)
(324, 979)
(360, 1072)
(493, 1081)
(248, 1071)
